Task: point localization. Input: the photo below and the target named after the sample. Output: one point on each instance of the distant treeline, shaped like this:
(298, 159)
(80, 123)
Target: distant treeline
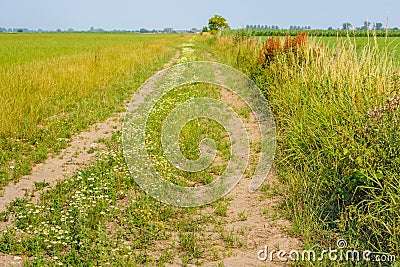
(341, 33)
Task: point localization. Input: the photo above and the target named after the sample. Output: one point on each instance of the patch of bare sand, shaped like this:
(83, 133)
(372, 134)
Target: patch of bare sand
(257, 226)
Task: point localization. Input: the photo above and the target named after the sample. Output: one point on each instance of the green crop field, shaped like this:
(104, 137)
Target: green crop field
(391, 44)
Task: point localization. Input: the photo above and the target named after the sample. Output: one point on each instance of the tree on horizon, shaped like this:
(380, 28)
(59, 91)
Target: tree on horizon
(347, 26)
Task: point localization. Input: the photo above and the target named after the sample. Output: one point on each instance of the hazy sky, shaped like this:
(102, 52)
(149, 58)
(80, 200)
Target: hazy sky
(181, 14)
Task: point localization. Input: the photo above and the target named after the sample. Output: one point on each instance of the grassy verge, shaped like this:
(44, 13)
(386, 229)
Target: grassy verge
(55, 85)
(338, 137)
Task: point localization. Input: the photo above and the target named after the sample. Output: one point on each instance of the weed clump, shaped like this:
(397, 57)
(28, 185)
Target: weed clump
(274, 46)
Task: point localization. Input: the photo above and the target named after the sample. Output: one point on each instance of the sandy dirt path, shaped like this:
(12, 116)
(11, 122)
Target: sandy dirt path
(262, 228)
(251, 217)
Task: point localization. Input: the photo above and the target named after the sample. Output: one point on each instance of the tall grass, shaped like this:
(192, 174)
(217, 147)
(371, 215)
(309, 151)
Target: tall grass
(339, 164)
(53, 85)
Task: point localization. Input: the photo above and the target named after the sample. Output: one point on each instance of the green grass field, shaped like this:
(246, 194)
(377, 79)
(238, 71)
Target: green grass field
(391, 44)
